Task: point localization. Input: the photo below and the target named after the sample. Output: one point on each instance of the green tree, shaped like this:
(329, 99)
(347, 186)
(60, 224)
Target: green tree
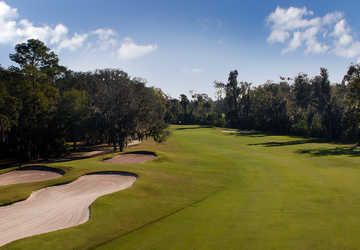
(37, 61)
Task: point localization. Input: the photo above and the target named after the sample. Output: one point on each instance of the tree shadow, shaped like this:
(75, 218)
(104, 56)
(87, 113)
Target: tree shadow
(42, 168)
(251, 134)
(8, 163)
(248, 133)
(288, 143)
(186, 128)
(349, 151)
(141, 153)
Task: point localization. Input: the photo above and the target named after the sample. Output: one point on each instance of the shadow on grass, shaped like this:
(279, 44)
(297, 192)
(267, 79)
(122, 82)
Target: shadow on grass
(349, 151)
(141, 153)
(8, 163)
(42, 168)
(251, 134)
(288, 143)
(248, 133)
(185, 128)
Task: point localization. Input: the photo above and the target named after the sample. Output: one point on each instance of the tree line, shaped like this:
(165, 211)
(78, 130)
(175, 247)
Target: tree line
(44, 105)
(301, 106)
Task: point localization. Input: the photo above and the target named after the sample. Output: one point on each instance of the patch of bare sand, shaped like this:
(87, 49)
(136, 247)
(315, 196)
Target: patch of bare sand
(92, 153)
(58, 207)
(27, 175)
(131, 158)
(99, 152)
(134, 142)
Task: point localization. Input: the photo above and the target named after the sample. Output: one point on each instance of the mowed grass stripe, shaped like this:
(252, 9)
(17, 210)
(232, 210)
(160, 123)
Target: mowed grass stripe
(276, 199)
(210, 190)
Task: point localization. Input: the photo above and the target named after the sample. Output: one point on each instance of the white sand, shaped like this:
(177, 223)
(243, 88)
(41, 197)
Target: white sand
(92, 153)
(58, 207)
(22, 176)
(134, 142)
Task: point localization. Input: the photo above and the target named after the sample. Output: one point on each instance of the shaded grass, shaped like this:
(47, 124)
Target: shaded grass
(346, 150)
(285, 143)
(210, 190)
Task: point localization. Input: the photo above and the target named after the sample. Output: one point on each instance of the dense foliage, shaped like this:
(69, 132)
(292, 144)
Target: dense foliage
(302, 106)
(43, 105)
(201, 109)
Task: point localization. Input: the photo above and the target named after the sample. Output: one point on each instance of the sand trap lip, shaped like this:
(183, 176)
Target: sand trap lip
(30, 174)
(58, 207)
(138, 157)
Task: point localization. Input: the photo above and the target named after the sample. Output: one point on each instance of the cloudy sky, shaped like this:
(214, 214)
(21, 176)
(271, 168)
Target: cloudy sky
(186, 45)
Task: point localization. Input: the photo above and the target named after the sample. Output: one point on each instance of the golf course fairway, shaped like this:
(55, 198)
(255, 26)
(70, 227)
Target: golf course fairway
(213, 190)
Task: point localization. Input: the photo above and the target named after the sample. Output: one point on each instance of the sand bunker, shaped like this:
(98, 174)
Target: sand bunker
(132, 158)
(29, 174)
(58, 207)
(230, 131)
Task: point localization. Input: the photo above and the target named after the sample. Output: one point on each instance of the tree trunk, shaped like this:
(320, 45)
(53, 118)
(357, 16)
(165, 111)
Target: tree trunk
(121, 146)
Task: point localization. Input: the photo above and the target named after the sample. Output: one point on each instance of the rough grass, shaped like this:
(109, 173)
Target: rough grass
(211, 190)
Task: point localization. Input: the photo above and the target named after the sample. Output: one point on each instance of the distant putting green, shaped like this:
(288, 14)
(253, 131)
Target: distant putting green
(213, 190)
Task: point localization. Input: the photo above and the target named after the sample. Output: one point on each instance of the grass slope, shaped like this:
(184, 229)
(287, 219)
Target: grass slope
(210, 190)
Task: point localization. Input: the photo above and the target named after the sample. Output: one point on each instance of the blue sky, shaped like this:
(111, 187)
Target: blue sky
(186, 45)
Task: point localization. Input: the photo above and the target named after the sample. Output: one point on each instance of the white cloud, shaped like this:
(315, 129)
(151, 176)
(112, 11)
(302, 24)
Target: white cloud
(6, 12)
(278, 35)
(299, 28)
(73, 43)
(291, 18)
(8, 26)
(13, 30)
(104, 34)
(351, 51)
(312, 43)
(59, 33)
(342, 33)
(7, 31)
(106, 38)
(295, 42)
(332, 17)
(130, 50)
(26, 30)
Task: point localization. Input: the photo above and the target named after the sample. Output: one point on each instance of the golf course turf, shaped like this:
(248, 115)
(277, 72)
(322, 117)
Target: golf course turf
(213, 190)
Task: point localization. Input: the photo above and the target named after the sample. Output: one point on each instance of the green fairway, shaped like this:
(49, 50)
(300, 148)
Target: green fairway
(214, 190)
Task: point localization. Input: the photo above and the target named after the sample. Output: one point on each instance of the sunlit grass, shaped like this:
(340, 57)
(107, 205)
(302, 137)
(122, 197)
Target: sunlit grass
(211, 190)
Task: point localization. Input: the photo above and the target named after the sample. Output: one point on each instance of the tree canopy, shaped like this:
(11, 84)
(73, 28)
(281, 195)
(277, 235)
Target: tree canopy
(43, 105)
